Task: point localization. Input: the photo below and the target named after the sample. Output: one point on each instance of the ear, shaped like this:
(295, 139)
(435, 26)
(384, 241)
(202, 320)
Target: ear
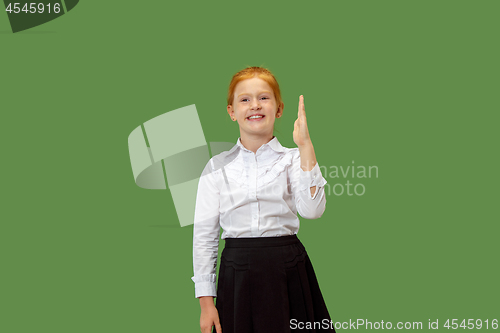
(279, 113)
(230, 111)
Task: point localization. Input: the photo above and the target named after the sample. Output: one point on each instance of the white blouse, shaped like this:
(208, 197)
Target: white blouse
(250, 195)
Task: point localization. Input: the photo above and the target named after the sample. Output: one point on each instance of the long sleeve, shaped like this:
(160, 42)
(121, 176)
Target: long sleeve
(206, 234)
(308, 207)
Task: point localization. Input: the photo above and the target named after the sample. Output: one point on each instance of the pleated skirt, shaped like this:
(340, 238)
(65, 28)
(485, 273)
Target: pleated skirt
(268, 284)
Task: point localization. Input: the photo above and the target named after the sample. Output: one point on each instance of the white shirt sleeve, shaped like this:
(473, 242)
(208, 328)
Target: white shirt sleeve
(206, 233)
(308, 207)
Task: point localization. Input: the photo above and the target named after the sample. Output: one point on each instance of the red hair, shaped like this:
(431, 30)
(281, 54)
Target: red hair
(250, 72)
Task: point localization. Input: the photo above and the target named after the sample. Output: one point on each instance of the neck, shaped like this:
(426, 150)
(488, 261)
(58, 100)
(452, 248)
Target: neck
(254, 142)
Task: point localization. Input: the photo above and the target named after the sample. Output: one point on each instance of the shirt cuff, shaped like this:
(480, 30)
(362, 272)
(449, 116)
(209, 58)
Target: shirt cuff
(205, 285)
(311, 178)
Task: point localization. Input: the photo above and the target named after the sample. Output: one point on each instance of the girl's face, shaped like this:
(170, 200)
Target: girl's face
(254, 107)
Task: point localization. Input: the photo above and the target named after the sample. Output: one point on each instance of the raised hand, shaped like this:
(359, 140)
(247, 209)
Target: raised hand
(300, 131)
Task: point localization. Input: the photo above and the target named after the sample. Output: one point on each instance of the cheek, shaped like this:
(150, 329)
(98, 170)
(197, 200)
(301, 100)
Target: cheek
(273, 105)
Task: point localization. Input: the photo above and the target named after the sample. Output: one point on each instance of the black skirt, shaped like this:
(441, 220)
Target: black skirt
(267, 284)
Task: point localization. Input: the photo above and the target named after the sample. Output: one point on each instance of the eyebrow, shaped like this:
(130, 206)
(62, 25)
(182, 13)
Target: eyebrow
(262, 92)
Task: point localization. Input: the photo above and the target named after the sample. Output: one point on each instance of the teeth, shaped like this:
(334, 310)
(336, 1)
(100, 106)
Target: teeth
(254, 117)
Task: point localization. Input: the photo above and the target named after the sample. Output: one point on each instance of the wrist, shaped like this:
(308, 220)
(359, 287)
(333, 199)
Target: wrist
(307, 157)
(206, 301)
(306, 146)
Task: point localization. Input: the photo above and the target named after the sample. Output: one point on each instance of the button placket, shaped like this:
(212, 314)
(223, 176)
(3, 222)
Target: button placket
(252, 196)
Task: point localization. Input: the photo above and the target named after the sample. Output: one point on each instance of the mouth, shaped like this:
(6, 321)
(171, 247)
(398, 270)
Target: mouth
(255, 117)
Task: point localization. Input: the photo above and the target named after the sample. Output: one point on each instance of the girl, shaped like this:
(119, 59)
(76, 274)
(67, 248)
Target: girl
(254, 191)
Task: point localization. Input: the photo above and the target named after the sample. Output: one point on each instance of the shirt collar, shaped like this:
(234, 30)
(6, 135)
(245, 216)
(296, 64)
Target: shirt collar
(274, 144)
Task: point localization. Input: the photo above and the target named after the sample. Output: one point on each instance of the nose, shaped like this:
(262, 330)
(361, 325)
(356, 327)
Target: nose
(255, 104)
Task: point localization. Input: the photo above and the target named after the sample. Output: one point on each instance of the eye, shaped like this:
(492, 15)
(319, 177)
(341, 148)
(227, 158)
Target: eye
(244, 99)
(265, 97)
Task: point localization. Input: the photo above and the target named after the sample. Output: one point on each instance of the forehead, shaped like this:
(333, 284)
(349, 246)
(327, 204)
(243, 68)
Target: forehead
(253, 85)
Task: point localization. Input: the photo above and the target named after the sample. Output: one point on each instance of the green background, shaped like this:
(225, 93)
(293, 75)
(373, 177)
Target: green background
(408, 86)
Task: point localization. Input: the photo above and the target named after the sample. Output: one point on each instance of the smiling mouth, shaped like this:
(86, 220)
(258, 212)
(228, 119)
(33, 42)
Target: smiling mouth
(255, 117)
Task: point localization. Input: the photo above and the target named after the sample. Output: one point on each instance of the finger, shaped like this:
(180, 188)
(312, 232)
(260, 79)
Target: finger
(300, 107)
(209, 328)
(303, 109)
(218, 328)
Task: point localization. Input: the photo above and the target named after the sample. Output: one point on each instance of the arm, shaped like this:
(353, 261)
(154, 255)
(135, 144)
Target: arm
(205, 248)
(206, 234)
(308, 160)
(308, 189)
(308, 178)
